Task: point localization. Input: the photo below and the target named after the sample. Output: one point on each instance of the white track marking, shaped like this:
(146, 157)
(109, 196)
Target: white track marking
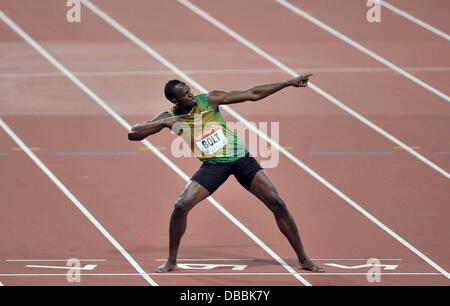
(363, 49)
(221, 274)
(150, 146)
(209, 259)
(1, 284)
(50, 174)
(252, 259)
(302, 165)
(84, 268)
(69, 194)
(216, 72)
(356, 259)
(289, 71)
(339, 266)
(51, 260)
(415, 20)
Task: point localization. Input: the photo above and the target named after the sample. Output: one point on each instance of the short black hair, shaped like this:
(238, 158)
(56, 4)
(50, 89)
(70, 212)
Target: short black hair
(169, 89)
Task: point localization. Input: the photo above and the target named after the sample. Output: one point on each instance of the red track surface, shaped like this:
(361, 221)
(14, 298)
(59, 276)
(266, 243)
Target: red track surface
(131, 194)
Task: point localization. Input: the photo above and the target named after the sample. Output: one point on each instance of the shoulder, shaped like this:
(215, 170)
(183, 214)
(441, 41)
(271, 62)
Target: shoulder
(202, 97)
(203, 100)
(164, 114)
(216, 97)
(170, 112)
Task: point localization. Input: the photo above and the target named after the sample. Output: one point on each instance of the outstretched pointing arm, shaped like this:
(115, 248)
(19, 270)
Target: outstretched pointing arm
(256, 93)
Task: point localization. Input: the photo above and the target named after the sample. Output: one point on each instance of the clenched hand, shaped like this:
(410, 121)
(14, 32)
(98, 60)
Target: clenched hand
(300, 81)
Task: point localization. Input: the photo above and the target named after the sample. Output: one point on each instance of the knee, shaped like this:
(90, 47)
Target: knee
(277, 206)
(182, 206)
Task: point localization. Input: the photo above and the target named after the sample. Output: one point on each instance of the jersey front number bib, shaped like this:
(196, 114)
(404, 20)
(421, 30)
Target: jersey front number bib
(211, 139)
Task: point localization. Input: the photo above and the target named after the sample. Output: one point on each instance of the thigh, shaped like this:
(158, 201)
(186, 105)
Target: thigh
(192, 194)
(263, 188)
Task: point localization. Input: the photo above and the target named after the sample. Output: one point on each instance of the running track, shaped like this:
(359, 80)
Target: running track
(130, 191)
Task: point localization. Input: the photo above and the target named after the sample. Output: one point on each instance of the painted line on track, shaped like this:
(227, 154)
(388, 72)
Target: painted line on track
(50, 260)
(356, 259)
(250, 259)
(121, 73)
(415, 20)
(350, 153)
(222, 274)
(91, 154)
(209, 259)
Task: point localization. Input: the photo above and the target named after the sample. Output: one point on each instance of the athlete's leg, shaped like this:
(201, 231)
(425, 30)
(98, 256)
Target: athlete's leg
(263, 188)
(192, 194)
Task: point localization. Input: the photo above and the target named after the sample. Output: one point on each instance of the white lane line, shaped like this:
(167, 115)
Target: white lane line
(253, 259)
(51, 260)
(84, 268)
(202, 259)
(69, 194)
(289, 71)
(1, 284)
(150, 146)
(216, 72)
(50, 174)
(302, 165)
(222, 274)
(356, 259)
(350, 153)
(415, 20)
(363, 49)
(94, 154)
(209, 259)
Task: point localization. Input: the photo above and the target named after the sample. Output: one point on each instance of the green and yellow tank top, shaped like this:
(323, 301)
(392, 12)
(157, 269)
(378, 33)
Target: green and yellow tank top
(206, 131)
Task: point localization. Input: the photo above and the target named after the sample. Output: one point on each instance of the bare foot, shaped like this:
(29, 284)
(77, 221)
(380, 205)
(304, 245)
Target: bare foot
(311, 266)
(166, 267)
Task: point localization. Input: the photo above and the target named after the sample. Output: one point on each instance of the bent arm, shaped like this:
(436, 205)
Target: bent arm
(141, 131)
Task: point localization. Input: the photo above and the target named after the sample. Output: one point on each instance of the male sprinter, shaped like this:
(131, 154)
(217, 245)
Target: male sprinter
(223, 154)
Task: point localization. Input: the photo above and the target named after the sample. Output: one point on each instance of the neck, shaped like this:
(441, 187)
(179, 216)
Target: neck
(183, 110)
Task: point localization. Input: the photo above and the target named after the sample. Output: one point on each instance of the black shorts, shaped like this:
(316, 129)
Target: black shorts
(212, 175)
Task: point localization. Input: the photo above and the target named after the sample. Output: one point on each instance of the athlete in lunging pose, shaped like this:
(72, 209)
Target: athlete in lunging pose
(223, 154)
